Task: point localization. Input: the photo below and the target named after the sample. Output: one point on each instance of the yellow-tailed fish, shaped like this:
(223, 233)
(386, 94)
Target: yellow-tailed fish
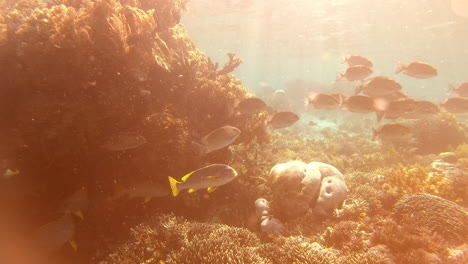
(209, 177)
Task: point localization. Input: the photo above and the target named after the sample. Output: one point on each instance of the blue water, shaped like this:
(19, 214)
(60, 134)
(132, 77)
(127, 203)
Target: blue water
(282, 40)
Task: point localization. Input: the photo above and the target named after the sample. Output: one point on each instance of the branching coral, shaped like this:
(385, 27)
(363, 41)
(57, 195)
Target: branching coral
(297, 249)
(175, 240)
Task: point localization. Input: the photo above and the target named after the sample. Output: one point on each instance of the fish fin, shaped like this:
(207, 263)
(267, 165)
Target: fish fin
(306, 102)
(400, 67)
(310, 98)
(451, 89)
(74, 245)
(340, 77)
(173, 183)
(211, 178)
(79, 214)
(341, 99)
(147, 199)
(374, 133)
(191, 190)
(185, 178)
(211, 189)
(380, 115)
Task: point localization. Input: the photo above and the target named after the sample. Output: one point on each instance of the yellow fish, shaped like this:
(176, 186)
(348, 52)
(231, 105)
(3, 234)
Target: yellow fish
(209, 177)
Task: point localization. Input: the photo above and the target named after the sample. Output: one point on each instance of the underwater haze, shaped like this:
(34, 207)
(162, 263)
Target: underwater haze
(282, 40)
(233, 131)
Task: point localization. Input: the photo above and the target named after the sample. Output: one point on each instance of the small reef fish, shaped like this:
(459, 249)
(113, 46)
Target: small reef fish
(409, 109)
(325, 101)
(250, 106)
(217, 139)
(418, 70)
(455, 105)
(282, 120)
(390, 131)
(53, 235)
(379, 86)
(360, 104)
(395, 96)
(423, 109)
(460, 90)
(124, 141)
(143, 189)
(397, 109)
(209, 177)
(354, 60)
(355, 73)
(9, 173)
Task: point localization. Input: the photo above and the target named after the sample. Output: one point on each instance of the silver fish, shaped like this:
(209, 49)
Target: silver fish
(124, 141)
(53, 235)
(217, 139)
(283, 119)
(420, 70)
(250, 106)
(209, 177)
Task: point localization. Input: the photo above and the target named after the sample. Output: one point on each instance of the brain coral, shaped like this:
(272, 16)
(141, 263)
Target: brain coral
(333, 192)
(437, 214)
(294, 187)
(297, 187)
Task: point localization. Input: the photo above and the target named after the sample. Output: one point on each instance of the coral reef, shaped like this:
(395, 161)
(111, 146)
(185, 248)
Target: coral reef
(294, 187)
(333, 192)
(297, 187)
(76, 73)
(174, 240)
(436, 134)
(434, 213)
(410, 243)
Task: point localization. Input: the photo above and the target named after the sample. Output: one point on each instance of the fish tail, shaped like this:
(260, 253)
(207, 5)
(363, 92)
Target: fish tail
(173, 183)
(380, 115)
(451, 89)
(400, 67)
(341, 99)
(340, 76)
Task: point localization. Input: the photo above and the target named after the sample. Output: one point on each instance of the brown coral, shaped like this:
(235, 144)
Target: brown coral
(434, 213)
